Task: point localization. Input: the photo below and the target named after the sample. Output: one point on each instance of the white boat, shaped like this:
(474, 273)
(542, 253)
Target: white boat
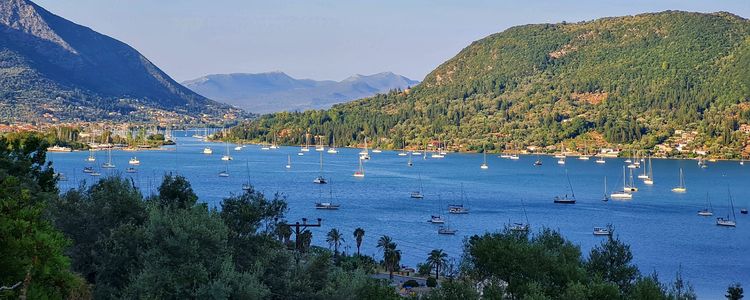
(238, 148)
(226, 156)
(409, 163)
(95, 174)
(319, 145)
(584, 157)
(109, 164)
(680, 188)
(377, 151)
(538, 162)
(561, 154)
(208, 150)
(561, 161)
(521, 227)
(265, 147)
(515, 157)
(91, 157)
(606, 197)
(402, 154)
(288, 161)
(88, 169)
(709, 210)
(459, 208)
(326, 206)
(436, 219)
(437, 155)
(650, 178)
(484, 165)
(603, 231)
(624, 194)
(320, 179)
(446, 230)
(504, 155)
(58, 148)
(332, 149)
(418, 194)
(416, 153)
(134, 161)
(131, 170)
(364, 154)
(360, 173)
(645, 174)
(223, 174)
(600, 160)
(728, 222)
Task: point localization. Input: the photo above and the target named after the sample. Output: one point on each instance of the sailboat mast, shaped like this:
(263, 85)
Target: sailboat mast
(570, 185)
(731, 204)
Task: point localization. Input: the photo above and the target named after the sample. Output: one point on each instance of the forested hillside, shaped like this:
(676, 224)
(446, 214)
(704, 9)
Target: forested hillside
(628, 81)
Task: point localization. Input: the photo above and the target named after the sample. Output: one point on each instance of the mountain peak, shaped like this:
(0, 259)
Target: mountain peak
(26, 17)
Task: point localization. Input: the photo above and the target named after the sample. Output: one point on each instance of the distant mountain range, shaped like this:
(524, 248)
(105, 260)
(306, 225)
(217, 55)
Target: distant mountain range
(51, 65)
(277, 91)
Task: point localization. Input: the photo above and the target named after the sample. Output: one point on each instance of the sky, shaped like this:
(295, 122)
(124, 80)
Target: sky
(330, 39)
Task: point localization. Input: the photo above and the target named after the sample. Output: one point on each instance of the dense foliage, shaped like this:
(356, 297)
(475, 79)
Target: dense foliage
(630, 81)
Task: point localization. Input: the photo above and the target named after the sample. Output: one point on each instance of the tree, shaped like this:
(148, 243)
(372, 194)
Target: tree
(391, 256)
(334, 239)
(735, 292)
(175, 191)
(32, 256)
(359, 234)
(612, 261)
(437, 258)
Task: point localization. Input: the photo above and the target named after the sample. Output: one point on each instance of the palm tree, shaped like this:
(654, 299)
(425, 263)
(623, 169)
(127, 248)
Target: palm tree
(436, 259)
(391, 256)
(359, 233)
(334, 239)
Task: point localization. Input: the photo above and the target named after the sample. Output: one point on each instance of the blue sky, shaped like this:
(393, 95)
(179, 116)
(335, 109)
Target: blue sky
(330, 39)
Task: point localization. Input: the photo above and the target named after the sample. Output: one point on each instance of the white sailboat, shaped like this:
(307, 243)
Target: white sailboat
(288, 161)
(360, 173)
(319, 145)
(364, 154)
(561, 154)
(603, 231)
(650, 177)
(624, 194)
(484, 165)
(306, 147)
(225, 172)
(600, 159)
(409, 163)
(226, 155)
(320, 179)
(606, 196)
(109, 164)
(585, 155)
(91, 157)
(418, 194)
(680, 188)
(327, 205)
(403, 150)
(645, 174)
(438, 217)
(521, 227)
(727, 222)
(708, 210)
(332, 149)
(561, 161)
(247, 186)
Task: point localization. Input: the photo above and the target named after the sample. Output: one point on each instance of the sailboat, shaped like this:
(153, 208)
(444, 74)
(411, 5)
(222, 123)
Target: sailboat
(709, 210)
(332, 149)
(446, 230)
(306, 148)
(644, 175)
(742, 161)
(225, 172)
(131, 170)
(360, 173)
(606, 197)
(561, 161)
(320, 179)
(624, 194)
(319, 145)
(437, 218)
(364, 154)
(600, 158)
(239, 147)
(565, 199)
(273, 143)
(631, 185)
(247, 186)
(403, 150)
(418, 194)
(134, 161)
(484, 165)
(727, 222)
(327, 205)
(208, 150)
(681, 188)
(459, 208)
(226, 155)
(650, 178)
(521, 227)
(585, 155)
(91, 157)
(108, 164)
(409, 163)
(288, 161)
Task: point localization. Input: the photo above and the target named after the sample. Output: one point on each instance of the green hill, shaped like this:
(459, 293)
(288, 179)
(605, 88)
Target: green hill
(624, 80)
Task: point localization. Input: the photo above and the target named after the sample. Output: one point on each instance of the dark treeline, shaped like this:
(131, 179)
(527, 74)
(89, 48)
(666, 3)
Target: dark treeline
(109, 241)
(631, 81)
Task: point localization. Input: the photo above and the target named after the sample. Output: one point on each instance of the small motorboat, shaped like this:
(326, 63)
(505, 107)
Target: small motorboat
(538, 162)
(326, 205)
(134, 161)
(436, 219)
(88, 170)
(208, 150)
(446, 230)
(743, 211)
(606, 231)
(416, 195)
(131, 170)
(320, 180)
(519, 227)
(223, 174)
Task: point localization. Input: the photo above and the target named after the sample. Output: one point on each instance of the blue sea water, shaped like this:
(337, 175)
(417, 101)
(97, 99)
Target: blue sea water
(662, 227)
